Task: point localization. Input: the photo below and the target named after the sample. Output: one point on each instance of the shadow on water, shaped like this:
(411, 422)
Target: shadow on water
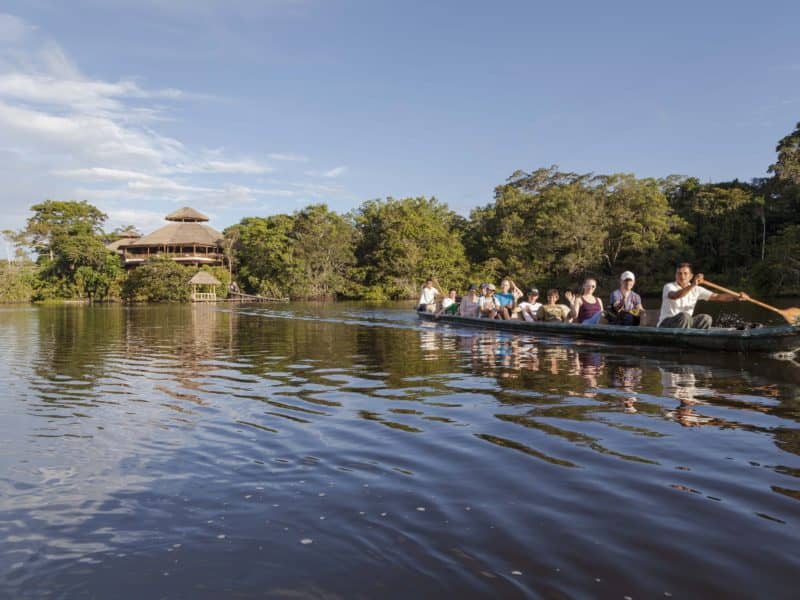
(349, 451)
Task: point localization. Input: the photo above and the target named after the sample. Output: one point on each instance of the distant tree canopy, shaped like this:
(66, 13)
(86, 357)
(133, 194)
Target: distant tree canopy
(543, 227)
(403, 242)
(73, 260)
(552, 226)
(787, 167)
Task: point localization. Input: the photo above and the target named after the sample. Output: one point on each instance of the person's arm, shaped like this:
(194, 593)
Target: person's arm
(515, 291)
(438, 289)
(681, 292)
(574, 302)
(568, 318)
(619, 304)
(725, 297)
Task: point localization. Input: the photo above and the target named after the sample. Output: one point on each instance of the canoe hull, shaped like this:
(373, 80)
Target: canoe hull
(778, 339)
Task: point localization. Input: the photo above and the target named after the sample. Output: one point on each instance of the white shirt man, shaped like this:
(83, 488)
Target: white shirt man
(427, 298)
(680, 297)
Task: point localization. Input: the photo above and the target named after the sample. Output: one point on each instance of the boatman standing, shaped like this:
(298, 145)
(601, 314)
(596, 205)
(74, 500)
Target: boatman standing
(680, 297)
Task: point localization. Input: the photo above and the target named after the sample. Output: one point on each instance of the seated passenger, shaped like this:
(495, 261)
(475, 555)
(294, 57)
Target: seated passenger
(507, 298)
(470, 304)
(449, 304)
(427, 299)
(625, 305)
(552, 311)
(529, 308)
(488, 302)
(586, 308)
(680, 297)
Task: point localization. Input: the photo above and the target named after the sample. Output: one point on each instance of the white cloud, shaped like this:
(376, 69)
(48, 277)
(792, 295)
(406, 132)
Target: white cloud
(65, 134)
(329, 174)
(336, 172)
(13, 29)
(244, 166)
(288, 157)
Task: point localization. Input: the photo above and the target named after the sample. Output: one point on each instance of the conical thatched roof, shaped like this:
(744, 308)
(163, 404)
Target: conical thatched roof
(177, 234)
(186, 215)
(204, 278)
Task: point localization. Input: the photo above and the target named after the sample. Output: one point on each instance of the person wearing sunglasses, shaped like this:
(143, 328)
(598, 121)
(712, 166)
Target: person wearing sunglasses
(586, 308)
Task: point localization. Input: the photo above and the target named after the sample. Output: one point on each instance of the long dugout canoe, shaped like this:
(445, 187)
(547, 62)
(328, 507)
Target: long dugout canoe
(773, 339)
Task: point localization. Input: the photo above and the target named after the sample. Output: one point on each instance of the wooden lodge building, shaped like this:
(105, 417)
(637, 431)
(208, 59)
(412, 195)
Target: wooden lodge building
(186, 239)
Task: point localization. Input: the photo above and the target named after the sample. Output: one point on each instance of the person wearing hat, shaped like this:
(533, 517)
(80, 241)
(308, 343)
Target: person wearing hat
(470, 304)
(488, 302)
(625, 305)
(529, 308)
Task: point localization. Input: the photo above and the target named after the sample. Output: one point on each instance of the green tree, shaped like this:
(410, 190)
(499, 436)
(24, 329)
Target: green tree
(158, 280)
(787, 166)
(323, 252)
(264, 253)
(55, 220)
(403, 242)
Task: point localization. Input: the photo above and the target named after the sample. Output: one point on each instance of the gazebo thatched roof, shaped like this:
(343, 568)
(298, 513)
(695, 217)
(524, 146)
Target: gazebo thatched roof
(186, 215)
(204, 278)
(177, 234)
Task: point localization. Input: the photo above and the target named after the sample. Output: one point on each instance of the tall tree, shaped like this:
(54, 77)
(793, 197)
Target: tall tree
(787, 166)
(324, 252)
(404, 241)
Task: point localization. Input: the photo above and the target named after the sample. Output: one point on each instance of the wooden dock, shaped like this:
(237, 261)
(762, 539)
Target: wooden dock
(248, 298)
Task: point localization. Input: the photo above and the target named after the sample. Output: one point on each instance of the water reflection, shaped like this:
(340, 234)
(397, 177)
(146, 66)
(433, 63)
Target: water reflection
(236, 451)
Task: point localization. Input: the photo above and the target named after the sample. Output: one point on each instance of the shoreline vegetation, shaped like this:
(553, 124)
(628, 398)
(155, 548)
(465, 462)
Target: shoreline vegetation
(545, 228)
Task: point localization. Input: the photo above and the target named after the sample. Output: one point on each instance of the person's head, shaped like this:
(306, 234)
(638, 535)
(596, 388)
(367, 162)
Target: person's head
(472, 289)
(552, 296)
(533, 295)
(484, 289)
(453, 294)
(627, 280)
(589, 285)
(684, 273)
(492, 289)
(505, 286)
(429, 283)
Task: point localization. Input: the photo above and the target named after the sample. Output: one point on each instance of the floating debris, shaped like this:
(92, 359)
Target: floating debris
(306, 541)
(421, 508)
(516, 572)
(221, 536)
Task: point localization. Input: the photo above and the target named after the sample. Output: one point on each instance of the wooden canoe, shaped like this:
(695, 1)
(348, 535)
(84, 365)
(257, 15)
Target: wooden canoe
(774, 339)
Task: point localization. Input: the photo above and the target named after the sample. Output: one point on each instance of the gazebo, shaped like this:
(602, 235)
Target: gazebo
(204, 279)
(186, 240)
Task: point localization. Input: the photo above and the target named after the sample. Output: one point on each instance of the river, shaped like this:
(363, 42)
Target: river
(343, 450)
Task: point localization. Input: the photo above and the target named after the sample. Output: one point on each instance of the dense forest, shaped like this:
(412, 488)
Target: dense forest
(543, 227)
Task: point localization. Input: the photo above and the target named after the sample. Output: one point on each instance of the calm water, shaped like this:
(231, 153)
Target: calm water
(347, 451)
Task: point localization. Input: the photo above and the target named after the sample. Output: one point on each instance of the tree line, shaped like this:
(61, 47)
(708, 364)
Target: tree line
(544, 227)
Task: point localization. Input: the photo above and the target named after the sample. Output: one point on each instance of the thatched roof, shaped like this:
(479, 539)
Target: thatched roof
(186, 215)
(180, 234)
(125, 241)
(204, 278)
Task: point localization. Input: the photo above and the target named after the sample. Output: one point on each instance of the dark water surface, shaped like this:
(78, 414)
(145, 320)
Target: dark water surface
(207, 452)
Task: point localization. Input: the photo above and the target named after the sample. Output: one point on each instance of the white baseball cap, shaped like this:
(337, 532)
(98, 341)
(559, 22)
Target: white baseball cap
(627, 275)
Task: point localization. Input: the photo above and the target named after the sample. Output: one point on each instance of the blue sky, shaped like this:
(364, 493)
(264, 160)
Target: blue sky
(252, 108)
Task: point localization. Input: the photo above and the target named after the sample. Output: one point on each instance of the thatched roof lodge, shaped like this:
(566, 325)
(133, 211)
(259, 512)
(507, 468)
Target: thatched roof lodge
(186, 240)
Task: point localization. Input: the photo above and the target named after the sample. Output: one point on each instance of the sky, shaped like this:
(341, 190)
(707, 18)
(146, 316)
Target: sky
(250, 108)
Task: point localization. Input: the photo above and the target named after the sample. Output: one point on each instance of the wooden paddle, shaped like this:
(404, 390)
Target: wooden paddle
(792, 315)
